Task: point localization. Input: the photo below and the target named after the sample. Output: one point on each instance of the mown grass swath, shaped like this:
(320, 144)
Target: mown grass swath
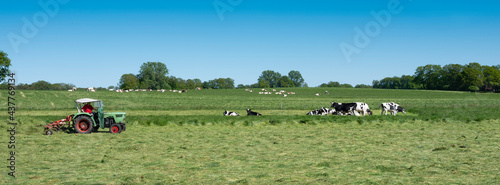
(445, 138)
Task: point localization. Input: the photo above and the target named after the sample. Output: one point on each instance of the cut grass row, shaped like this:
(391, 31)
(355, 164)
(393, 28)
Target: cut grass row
(417, 152)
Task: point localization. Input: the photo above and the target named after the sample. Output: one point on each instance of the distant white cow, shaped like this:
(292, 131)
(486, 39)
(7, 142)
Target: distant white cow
(392, 107)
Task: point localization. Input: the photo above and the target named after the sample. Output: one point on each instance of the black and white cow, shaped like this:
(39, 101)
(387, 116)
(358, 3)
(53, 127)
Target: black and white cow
(392, 107)
(363, 108)
(323, 111)
(252, 113)
(351, 108)
(227, 113)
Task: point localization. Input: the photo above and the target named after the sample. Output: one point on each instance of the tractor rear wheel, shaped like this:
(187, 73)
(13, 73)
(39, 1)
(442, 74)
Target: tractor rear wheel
(115, 128)
(83, 125)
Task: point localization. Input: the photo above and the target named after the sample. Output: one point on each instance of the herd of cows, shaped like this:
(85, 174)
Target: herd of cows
(355, 108)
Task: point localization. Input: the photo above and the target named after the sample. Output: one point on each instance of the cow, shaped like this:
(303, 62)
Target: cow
(252, 113)
(323, 111)
(227, 113)
(363, 107)
(351, 108)
(392, 107)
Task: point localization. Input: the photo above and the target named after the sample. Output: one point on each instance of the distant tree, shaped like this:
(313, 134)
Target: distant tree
(271, 77)
(296, 77)
(256, 85)
(219, 83)
(429, 76)
(471, 76)
(362, 86)
(330, 84)
(111, 87)
(376, 84)
(284, 81)
(4, 65)
(491, 78)
(128, 81)
(346, 86)
(263, 84)
(197, 82)
(451, 76)
(41, 85)
(152, 75)
(241, 86)
(305, 85)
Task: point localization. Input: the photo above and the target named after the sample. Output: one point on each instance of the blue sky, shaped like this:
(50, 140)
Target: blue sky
(93, 43)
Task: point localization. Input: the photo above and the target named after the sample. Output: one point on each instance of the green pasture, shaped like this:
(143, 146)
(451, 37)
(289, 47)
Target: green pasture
(172, 138)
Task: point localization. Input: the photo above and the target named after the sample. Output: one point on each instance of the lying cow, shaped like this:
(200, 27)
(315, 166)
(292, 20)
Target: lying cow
(351, 108)
(392, 107)
(227, 113)
(252, 113)
(323, 111)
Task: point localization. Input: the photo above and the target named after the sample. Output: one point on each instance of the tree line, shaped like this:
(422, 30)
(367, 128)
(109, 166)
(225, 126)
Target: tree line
(456, 77)
(154, 75)
(273, 79)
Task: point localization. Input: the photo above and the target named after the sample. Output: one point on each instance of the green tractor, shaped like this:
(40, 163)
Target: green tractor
(85, 123)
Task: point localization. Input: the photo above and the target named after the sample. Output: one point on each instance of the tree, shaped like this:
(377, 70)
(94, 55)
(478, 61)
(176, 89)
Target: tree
(362, 86)
(471, 77)
(451, 76)
(128, 81)
(330, 84)
(152, 75)
(284, 81)
(263, 84)
(271, 77)
(219, 83)
(296, 77)
(41, 85)
(4, 65)
(429, 76)
(491, 78)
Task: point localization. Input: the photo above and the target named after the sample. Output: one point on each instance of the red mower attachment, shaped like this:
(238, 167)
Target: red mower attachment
(58, 125)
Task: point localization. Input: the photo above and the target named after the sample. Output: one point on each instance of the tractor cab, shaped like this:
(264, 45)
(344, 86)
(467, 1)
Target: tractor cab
(97, 104)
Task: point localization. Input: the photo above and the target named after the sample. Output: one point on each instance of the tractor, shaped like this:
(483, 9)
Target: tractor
(84, 122)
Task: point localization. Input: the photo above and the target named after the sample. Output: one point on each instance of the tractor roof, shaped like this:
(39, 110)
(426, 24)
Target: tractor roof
(86, 100)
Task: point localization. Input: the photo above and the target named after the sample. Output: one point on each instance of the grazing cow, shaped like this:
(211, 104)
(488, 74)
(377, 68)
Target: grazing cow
(392, 107)
(351, 108)
(252, 113)
(227, 113)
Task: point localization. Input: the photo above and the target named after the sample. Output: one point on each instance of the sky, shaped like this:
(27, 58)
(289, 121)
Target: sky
(92, 43)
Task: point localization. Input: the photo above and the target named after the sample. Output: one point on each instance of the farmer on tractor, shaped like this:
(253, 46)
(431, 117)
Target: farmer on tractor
(88, 108)
(86, 120)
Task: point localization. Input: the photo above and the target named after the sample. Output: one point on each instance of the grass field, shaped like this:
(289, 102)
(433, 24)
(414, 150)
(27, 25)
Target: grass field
(171, 138)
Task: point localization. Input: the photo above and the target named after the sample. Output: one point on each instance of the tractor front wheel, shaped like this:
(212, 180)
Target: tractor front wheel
(115, 128)
(83, 125)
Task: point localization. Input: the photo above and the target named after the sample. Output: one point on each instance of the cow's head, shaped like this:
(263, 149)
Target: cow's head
(225, 112)
(333, 104)
(248, 110)
(401, 109)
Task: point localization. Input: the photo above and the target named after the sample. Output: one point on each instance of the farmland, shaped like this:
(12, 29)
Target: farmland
(445, 138)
